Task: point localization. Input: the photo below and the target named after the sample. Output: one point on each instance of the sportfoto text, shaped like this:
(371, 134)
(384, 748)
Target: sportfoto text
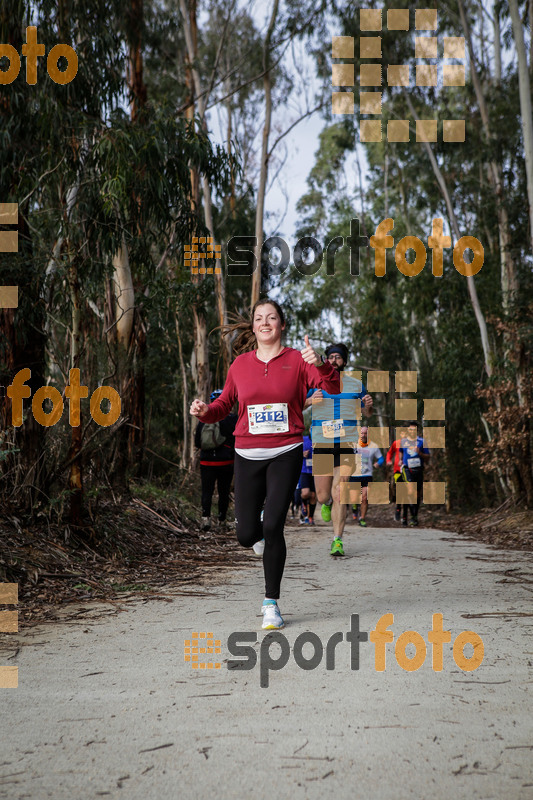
(380, 637)
(241, 252)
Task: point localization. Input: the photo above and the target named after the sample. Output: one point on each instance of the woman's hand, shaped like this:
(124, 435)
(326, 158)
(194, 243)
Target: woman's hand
(198, 408)
(309, 355)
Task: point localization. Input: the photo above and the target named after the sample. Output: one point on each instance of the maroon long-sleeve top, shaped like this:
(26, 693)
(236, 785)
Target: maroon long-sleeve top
(286, 378)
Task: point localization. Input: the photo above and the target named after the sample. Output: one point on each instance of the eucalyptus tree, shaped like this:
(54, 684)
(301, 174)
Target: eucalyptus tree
(89, 181)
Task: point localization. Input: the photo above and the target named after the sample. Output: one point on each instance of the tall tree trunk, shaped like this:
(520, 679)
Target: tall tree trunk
(201, 361)
(130, 328)
(497, 43)
(200, 358)
(525, 105)
(185, 452)
(509, 281)
(263, 175)
(488, 354)
(75, 483)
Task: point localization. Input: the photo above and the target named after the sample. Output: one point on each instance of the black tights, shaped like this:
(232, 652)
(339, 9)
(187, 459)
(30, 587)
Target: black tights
(271, 482)
(222, 476)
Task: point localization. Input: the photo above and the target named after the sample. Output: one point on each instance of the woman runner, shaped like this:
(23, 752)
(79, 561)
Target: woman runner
(270, 382)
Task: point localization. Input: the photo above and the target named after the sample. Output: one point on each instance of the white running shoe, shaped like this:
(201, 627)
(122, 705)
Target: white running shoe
(206, 523)
(259, 548)
(272, 619)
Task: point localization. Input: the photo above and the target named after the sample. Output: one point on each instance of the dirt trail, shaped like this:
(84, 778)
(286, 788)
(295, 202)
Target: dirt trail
(107, 705)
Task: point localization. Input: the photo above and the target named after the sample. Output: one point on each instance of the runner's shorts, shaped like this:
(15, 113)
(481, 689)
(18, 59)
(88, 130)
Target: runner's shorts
(327, 456)
(307, 481)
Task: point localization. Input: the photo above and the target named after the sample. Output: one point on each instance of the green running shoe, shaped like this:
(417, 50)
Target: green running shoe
(325, 512)
(336, 548)
(362, 523)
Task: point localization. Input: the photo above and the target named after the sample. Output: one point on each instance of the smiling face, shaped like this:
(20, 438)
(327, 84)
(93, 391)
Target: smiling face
(412, 432)
(267, 325)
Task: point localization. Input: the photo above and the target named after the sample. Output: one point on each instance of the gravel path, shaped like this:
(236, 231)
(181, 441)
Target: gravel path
(107, 705)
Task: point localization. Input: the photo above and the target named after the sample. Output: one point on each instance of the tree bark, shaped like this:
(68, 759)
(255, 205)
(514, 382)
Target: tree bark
(488, 354)
(497, 43)
(260, 205)
(509, 281)
(75, 482)
(525, 105)
(184, 455)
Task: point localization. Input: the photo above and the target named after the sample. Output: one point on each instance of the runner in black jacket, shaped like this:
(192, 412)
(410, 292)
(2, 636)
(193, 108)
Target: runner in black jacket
(216, 466)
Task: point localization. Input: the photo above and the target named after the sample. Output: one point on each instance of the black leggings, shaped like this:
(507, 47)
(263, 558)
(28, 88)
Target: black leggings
(222, 476)
(413, 476)
(271, 482)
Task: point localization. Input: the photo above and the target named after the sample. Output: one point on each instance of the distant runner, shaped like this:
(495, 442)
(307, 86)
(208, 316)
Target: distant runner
(415, 456)
(307, 483)
(394, 459)
(371, 457)
(217, 454)
(332, 430)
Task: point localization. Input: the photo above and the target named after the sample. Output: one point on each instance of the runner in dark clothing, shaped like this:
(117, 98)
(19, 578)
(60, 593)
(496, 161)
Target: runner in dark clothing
(217, 454)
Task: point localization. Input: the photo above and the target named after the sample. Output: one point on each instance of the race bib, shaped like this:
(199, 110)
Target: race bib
(413, 463)
(332, 428)
(269, 418)
(308, 462)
